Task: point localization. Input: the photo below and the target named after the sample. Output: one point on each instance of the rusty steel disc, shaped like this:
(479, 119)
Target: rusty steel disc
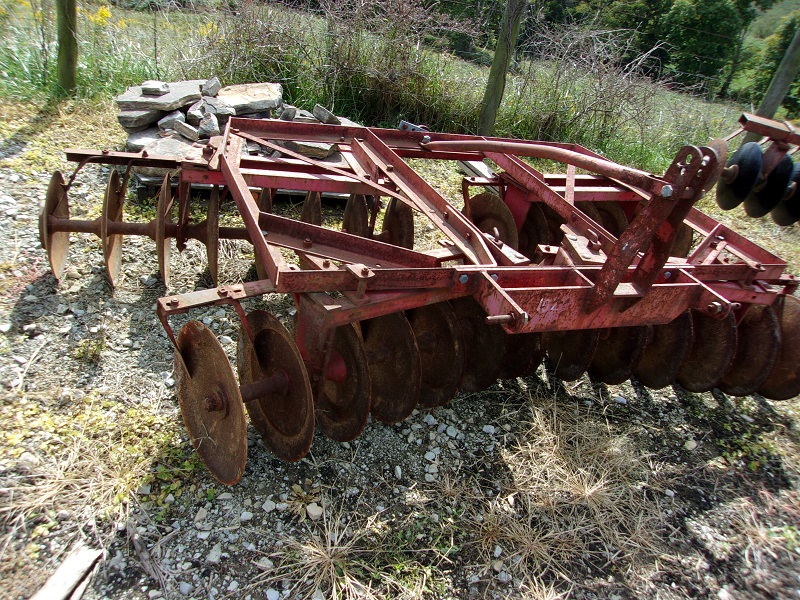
(210, 403)
(489, 213)
(342, 403)
(394, 366)
(441, 352)
(534, 232)
(682, 244)
(612, 217)
(522, 354)
(112, 212)
(758, 341)
(571, 352)
(664, 353)
(312, 209)
(163, 245)
(784, 380)
(589, 209)
(483, 345)
(283, 413)
(398, 225)
(618, 350)
(356, 216)
(56, 244)
(212, 235)
(711, 354)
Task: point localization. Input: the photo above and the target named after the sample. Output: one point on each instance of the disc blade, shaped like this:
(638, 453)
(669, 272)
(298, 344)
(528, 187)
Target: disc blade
(356, 216)
(788, 211)
(398, 224)
(570, 352)
(664, 353)
(765, 197)
(312, 209)
(210, 403)
(534, 232)
(284, 418)
(612, 217)
(112, 212)
(758, 339)
(712, 352)
(394, 366)
(489, 213)
(441, 352)
(523, 352)
(747, 159)
(682, 244)
(483, 345)
(783, 382)
(56, 204)
(342, 403)
(618, 350)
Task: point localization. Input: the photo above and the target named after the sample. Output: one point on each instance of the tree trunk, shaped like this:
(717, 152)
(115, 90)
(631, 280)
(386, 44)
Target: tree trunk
(509, 29)
(780, 83)
(67, 14)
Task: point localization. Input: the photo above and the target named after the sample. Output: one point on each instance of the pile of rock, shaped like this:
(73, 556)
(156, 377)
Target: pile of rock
(167, 119)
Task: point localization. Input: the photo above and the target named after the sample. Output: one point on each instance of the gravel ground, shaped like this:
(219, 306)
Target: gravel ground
(529, 489)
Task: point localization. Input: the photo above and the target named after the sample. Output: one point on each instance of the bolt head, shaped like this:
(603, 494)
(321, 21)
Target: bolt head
(463, 279)
(667, 191)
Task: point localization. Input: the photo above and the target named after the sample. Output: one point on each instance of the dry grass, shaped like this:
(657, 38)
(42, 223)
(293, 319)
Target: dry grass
(577, 498)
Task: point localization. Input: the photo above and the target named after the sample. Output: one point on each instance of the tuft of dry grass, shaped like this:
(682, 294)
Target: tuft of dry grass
(576, 498)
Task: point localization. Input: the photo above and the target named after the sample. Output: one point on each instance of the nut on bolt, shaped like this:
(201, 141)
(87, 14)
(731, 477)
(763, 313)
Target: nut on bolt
(715, 308)
(666, 191)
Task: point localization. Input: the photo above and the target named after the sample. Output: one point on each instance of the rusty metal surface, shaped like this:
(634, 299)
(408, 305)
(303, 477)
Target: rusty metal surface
(667, 347)
(483, 345)
(758, 341)
(342, 400)
(784, 380)
(210, 402)
(711, 354)
(283, 410)
(618, 351)
(394, 366)
(522, 354)
(441, 351)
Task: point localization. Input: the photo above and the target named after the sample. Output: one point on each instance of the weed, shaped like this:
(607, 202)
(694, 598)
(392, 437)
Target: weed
(89, 350)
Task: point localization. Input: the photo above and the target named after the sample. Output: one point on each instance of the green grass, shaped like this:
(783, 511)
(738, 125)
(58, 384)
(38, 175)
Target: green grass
(374, 70)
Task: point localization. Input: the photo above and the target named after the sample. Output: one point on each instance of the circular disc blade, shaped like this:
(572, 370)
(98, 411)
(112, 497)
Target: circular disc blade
(312, 209)
(682, 244)
(441, 351)
(488, 212)
(589, 209)
(554, 223)
(763, 200)
(394, 366)
(664, 353)
(342, 406)
(758, 340)
(534, 232)
(356, 216)
(55, 243)
(784, 380)
(212, 235)
(483, 345)
(285, 419)
(571, 352)
(711, 354)
(612, 217)
(163, 246)
(210, 403)
(618, 350)
(788, 211)
(748, 158)
(523, 352)
(398, 224)
(112, 212)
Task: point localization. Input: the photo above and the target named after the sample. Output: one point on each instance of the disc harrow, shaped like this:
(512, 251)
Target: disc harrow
(602, 268)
